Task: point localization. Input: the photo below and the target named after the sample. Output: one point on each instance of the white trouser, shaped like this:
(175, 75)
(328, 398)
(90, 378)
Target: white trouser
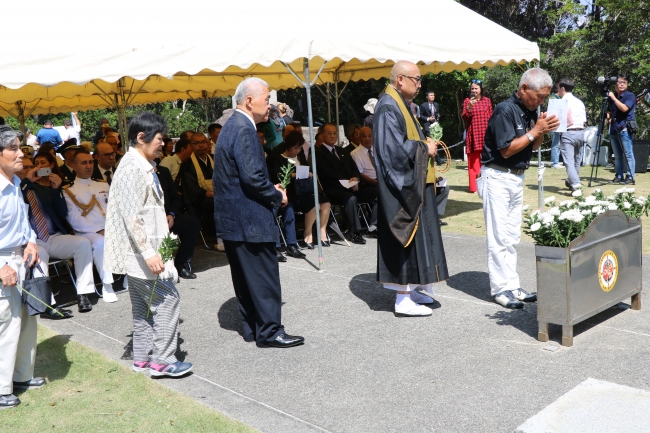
(17, 330)
(503, 197)
(70, 247)
(97, 244)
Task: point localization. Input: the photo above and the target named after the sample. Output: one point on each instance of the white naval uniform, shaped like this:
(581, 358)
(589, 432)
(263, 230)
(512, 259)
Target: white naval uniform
(88, 226)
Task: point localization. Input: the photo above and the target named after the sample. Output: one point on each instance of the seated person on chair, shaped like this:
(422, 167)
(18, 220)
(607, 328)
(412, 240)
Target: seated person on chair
(67, 171)
(47, 216)
(186, 227)
(365, 160)
(334, 167)
(104, 166)
(183, 152)
(301, 192)
(86, 200)
(196, 182)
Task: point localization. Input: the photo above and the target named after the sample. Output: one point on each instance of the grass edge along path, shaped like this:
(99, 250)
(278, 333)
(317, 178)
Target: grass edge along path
(87, 391)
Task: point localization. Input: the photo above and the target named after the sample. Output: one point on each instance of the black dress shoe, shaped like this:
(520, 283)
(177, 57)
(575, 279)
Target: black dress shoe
(281, 257)
(57, 313)
(84, 304)
(284, 340)
(35, 382)
(325, 243)
(293, 251)
(372, 234)
(356, 238)
(309, 245)
(443, 223)
(186, 272)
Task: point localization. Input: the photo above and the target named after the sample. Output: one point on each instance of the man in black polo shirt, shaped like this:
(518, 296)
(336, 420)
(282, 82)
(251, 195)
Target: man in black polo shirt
(514, 132)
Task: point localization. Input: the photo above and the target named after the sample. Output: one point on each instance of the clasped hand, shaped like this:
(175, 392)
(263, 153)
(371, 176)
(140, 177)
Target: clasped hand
(546, 124)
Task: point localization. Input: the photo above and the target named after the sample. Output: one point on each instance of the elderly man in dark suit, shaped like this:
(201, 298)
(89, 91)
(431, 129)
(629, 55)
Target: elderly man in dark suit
(429, 112)
(245, 218)
(334, 166)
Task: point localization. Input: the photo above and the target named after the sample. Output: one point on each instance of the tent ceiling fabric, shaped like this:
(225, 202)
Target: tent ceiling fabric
(166, 64)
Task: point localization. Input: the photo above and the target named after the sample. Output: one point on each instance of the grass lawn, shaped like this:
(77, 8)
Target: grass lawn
(464, 211)
(88, 392)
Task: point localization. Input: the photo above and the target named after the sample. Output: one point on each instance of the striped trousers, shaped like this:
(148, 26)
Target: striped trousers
(155, 339)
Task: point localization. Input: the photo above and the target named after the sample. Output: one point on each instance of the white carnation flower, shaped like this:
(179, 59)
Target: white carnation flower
(525, 208)
(627, 205)
(547, 219)
(611, 197)
(597, 190)
(639, 201)
(566, 203)
(555, 211)
(604, 202)
(535, 213)
(597, 210)
(577, 193)
(547, 200)
(586, 212)
(535, 227)
(612, 206)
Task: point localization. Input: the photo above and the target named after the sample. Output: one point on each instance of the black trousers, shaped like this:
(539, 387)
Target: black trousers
(349, 199)
(187, 228)
(256, 278)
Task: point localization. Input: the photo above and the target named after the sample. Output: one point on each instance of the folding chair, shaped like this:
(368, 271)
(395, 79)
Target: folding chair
(53, 262)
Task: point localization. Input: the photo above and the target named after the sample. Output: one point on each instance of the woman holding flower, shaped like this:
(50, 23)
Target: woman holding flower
(477, 110)
(136, 233)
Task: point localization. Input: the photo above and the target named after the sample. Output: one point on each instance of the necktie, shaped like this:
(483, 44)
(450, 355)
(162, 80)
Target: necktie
(39, 219)
(431, 108)
(334, 152)
(109, 176)
(372, 159)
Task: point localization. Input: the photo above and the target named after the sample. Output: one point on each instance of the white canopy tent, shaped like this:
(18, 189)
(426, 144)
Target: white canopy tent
(191, 47)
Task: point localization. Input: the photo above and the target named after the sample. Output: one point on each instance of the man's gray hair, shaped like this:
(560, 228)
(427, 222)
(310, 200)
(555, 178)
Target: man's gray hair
(7, 136)
(249, 87)
(536, 78)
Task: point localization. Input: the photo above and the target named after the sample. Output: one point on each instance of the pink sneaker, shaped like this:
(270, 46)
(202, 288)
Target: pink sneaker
(173, 370)
(141, 366)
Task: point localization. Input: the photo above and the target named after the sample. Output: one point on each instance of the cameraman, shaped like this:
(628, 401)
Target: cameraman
(621, 129)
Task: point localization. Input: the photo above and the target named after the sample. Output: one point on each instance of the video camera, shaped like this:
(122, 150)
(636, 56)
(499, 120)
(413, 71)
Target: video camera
(605, 83)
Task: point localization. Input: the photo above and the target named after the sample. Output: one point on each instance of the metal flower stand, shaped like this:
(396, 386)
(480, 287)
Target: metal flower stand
(598, 269)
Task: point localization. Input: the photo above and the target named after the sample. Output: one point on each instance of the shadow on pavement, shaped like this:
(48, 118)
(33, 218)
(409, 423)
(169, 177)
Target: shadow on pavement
(229, 317)
(524, 319)
(376, 297)
(474, 283)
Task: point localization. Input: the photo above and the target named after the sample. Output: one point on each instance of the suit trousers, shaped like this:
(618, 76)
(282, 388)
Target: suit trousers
(289, 223)
(349, 199)
(503, 196)
(71, 247)
(17, 329)
(155, 338)
(97, 244)
(187, 228)
(256, 278)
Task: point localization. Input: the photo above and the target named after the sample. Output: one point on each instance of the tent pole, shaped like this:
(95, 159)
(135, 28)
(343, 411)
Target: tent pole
(21, 119)
(540, 165)
(120, 122)
(312, 147)
(329, 104)
(336, 106)
(205, 106)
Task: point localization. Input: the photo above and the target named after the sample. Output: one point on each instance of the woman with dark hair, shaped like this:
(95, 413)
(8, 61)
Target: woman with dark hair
(46, 160)
(300, 192)
(477, 110)
(136, 226)
(168, 147)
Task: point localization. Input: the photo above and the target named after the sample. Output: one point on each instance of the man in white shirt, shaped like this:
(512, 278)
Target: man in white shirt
(183, 152)
(31, 139)
(87, 200)
(364, 158)
(104, 168)
(573, 139)
(72, 128)
(17, 244)
(213, 131)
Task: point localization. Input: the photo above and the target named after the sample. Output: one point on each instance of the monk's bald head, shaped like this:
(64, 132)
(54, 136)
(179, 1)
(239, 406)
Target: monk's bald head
(403, 67)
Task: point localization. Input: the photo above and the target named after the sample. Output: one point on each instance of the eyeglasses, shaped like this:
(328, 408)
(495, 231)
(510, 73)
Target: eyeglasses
(417, 79)
(621, 82)
(331, 133)
(200, 142)
(475, 81)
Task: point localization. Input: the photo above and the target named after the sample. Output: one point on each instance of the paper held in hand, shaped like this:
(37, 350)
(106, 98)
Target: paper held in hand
(347, 184)
(559, 107)
(302, 172)
(442, 182)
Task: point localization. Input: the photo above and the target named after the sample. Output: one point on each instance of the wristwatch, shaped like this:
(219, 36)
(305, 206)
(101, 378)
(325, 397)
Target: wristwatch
(530, 137)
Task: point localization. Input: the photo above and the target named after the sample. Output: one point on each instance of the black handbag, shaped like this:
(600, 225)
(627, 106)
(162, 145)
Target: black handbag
(304, 186)
(632, 127)
(39, 288)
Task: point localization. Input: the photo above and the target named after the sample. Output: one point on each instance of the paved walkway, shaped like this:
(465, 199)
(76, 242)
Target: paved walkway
(471, 367)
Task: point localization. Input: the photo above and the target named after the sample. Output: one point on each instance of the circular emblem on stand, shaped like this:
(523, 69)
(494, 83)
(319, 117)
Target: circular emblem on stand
(608, 270)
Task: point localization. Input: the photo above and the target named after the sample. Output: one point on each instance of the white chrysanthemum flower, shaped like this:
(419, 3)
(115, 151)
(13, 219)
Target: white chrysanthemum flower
(640, 202)
(577, 193)
(525, 208)
(535, 213)
(597, 190)
(642, 198)
(535, 227)
(547, 219)
(627, 205)
(619, 191)
(586, 212)
(591, 198)
(547, 200)
(597, 210)
(566, 203)
(612, 206)
(604, 202)
(555, 211)
(611, 197)
(585, 204)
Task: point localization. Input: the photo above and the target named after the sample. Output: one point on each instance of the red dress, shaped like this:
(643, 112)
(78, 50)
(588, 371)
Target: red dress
(476, 122)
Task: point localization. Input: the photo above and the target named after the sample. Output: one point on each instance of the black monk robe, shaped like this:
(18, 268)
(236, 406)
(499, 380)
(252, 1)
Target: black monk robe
(410, 249)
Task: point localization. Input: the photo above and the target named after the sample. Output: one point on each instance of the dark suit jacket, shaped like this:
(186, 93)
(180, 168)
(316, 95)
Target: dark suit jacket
(332, 169)
(193, 195)
(97, 173)
(425, 113)
(244, 196)
(67, 176)
(52, 204)
(172, 199)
